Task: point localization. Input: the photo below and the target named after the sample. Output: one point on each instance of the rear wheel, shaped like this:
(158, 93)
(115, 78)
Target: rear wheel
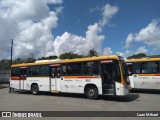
(92, 92)
(35, 89)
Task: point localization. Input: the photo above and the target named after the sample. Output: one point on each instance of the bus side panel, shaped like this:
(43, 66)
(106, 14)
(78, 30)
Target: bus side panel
(154, 82)
(71, 85)
(25, 84)
(43, 83)
(14, 84)
(77, 85)
(121, 89)
(147, 82)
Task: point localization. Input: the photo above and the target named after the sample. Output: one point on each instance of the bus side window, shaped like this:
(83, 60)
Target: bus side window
(85, 68)
(69, 69)
(137, 68)
(74, 68)
(44, 70)
(149, 67)
(130, 69)
(64, 69)
(91, 68)
(33, 71)
(15, 72)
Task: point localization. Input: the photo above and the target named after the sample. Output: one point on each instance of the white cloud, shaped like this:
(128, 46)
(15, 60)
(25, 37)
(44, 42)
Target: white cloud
(125, 54)
(107, 13)
(107, 51)
(141, 50)
(92, 40)
(30, 23)
(129, 40)
(54, 1)
(78, 44)
(149, 35)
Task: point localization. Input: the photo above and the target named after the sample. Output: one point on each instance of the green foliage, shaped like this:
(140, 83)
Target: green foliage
(18, 61)
(29, 60)
(48, 58)
(140, 55)
(5, 64)
(70, 55)
(92, 53)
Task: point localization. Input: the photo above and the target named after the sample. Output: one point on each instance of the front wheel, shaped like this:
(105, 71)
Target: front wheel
(35, 89)
(92, 93)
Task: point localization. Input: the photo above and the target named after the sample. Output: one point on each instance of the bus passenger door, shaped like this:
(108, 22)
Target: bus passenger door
(55, 77)
(22, 80)
(108, 83)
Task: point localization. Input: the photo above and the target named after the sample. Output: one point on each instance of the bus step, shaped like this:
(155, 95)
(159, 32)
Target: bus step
(106, 86)
(108, 91)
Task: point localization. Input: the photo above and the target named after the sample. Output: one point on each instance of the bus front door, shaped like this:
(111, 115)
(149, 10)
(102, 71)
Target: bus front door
(55, 78)
(108, 83)
(22, 80)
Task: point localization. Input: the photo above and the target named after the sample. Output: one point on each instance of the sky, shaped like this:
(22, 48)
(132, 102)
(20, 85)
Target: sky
(53, 27)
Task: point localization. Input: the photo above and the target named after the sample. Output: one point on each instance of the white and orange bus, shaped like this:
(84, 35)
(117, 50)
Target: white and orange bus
(104, 75)
(145, 73)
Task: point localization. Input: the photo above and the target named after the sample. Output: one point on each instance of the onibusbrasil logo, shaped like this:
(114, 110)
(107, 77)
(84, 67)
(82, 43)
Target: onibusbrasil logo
(21, 114)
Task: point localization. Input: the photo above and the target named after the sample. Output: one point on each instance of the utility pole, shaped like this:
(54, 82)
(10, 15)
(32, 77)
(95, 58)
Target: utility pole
(11, 49)
(11, 89)
(32, 56)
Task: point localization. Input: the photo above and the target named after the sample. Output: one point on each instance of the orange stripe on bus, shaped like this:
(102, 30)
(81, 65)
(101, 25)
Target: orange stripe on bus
(148, 74)
(81, 76)
(17, 78)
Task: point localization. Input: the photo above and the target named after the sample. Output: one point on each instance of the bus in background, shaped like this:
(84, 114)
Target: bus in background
(104, 75)
(145, 73)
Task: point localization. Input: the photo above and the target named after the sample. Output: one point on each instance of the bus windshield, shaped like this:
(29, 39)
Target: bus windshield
(124, 70)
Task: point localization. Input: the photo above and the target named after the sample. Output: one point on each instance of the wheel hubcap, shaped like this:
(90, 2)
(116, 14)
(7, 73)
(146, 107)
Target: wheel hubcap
(34, 90)
(91, 92)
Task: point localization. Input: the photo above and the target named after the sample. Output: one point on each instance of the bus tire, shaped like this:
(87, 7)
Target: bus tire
(35, 89)
(91, 92)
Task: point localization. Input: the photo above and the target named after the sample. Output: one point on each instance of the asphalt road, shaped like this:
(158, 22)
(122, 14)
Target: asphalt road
(25, 101)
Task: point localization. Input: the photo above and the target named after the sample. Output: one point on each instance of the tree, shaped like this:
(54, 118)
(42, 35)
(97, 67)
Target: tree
(48, 58)
(4, 64)
(70, 55)
(53, 57)
(140, 55)
(29, 60)
(92, 53)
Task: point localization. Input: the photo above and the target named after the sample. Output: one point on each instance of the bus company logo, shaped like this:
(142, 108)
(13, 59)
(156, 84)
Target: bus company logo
(6, 114)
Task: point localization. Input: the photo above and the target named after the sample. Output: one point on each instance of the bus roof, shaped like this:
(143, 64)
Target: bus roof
(92, 58)
(71, 60)
(142, 60)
